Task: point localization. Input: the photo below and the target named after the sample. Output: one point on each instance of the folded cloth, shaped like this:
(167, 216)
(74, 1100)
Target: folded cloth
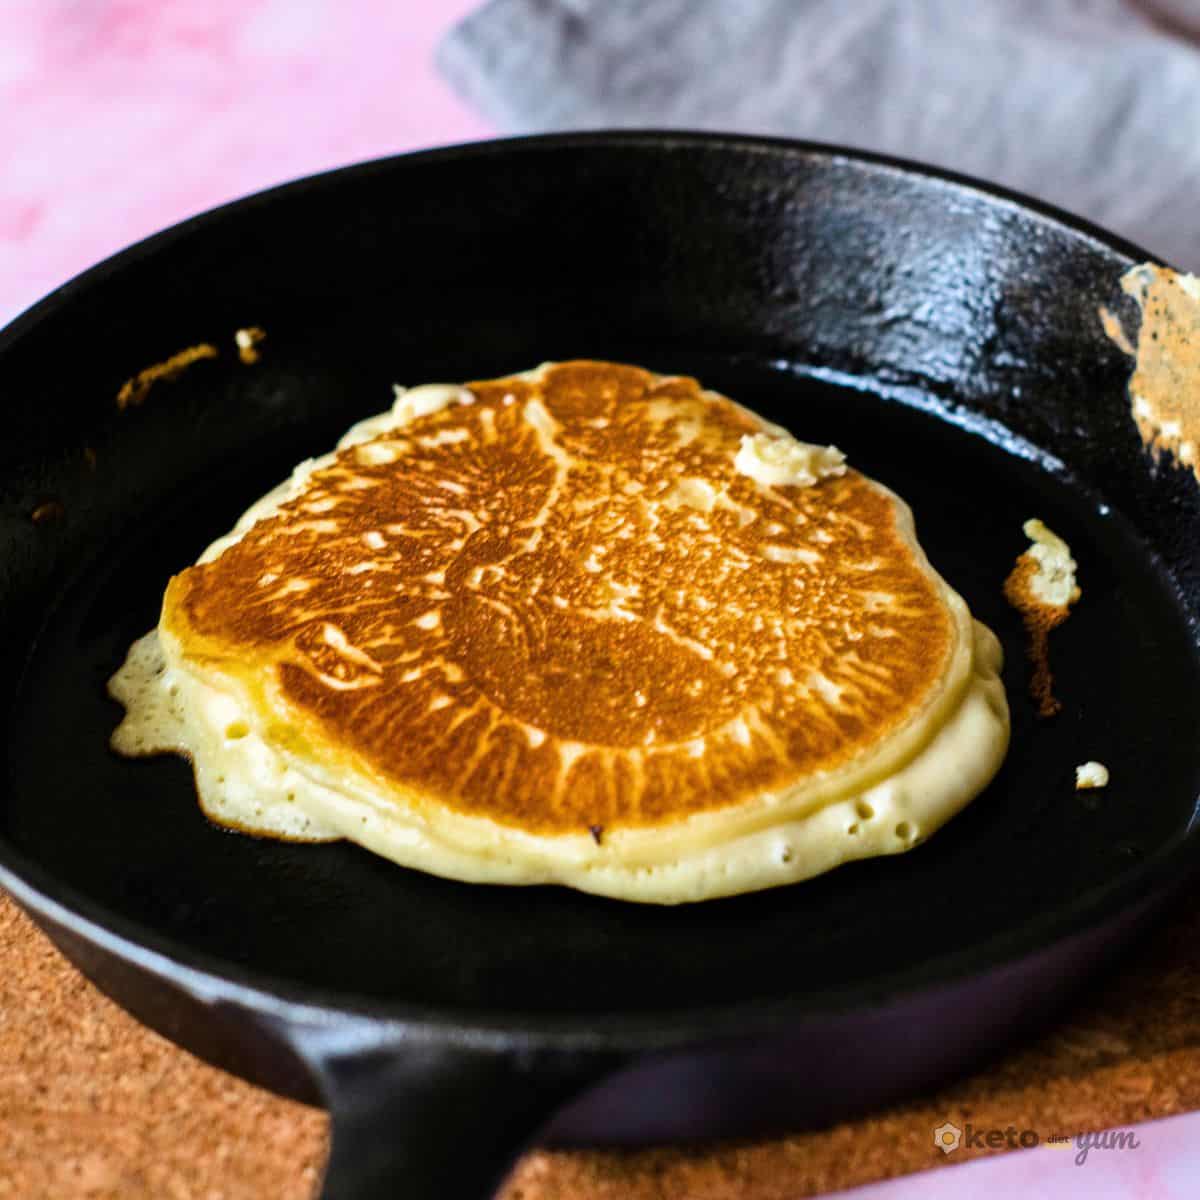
(1093, 105)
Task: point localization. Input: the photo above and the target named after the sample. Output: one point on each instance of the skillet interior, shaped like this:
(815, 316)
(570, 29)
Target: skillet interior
(775, 273)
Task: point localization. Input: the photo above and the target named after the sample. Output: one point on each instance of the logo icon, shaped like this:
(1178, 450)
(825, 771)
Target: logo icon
(947, 1137)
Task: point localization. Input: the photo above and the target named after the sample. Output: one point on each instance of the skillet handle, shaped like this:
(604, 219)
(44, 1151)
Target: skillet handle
(430, 1119)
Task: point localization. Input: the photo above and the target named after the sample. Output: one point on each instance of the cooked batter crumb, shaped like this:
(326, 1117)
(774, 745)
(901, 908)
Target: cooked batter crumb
(134, 391)
(1042, 588)
(1091, 775)
(247, 340)
(47, 511)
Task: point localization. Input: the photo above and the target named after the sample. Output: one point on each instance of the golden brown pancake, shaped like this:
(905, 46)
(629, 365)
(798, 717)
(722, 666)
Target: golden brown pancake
(564, 631)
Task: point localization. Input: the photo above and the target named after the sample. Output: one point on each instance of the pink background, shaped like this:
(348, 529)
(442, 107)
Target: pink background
(120, 117)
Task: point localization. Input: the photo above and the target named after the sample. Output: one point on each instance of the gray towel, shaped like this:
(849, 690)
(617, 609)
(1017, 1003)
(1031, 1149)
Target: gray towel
(1089, 104)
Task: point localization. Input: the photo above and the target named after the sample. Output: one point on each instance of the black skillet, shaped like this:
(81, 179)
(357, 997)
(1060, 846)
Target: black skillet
(942, 333)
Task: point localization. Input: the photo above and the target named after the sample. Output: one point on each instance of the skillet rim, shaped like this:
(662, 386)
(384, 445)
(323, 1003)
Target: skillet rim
(650, 136)
(218, 981)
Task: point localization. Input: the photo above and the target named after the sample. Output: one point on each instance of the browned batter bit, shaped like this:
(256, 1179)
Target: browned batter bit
(47, 512)
(247, 341)
(1042, 588)
(134, 391)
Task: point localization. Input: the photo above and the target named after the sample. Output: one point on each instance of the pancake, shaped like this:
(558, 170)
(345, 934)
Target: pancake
(584, 625)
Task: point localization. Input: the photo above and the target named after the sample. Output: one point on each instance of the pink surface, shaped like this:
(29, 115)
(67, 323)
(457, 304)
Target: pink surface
(119, 117)
(123, 116)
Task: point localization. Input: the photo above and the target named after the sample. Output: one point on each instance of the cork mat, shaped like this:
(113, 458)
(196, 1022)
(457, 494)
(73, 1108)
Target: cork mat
(93, 1105)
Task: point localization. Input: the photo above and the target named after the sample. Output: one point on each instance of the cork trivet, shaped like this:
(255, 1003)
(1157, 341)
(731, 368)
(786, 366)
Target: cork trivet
(93, 1105)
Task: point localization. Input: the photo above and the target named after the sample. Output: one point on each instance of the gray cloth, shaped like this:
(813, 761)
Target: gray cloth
(1093, 105)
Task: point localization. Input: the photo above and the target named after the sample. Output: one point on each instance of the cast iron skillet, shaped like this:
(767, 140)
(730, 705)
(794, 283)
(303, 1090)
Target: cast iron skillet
(944, 334)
